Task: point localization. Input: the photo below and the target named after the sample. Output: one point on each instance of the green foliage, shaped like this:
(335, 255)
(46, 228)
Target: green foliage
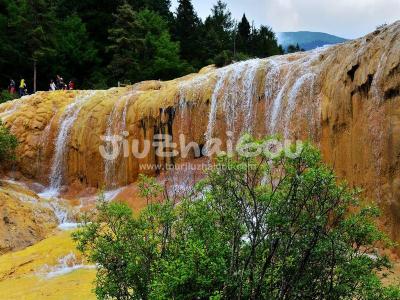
(227, 57)
(243, 35)
(188, 31)
(255, 228)
(97, 43)
(263, 42)
(127, 249)
(6, 96)
(294, 48)
(141, 46)
(74, 49)
(8, 144)
(218, 30)
(224, 58)
(148, 188)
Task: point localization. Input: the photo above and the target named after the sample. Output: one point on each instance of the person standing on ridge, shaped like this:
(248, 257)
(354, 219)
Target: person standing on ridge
(11, 87)
(71, 85)
(63, 86)
(52, 86)
(58, 82)
(22, 88)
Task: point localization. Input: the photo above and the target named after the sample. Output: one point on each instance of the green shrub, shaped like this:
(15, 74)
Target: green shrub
(223, 59)
(6, 96)
(8, 143)
(255, 228)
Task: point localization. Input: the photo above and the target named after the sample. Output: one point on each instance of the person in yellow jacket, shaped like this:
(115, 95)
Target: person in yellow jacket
(22, 87)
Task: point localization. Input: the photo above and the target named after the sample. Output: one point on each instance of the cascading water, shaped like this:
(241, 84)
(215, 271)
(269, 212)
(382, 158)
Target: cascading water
(68, 118)
(249, 86)
(231, 95)
(286, 81)
(66, 264)
(235, 89)
(192, 87)
(305, 81)
(116, 125)
(44, 140)
(221, 76)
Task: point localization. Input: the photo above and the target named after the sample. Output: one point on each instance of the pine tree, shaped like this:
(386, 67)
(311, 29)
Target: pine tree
(123, 44)
(161, 7)
(76, 55)
(218, 30)
(294, 48)
(96, 15)
(6, 46)
(263, 43)
(243, 35)
(31, 27)
(187, 31)
(141, 47)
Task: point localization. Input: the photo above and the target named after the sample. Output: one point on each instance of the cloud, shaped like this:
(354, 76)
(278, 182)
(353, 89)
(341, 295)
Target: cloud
(347, 18)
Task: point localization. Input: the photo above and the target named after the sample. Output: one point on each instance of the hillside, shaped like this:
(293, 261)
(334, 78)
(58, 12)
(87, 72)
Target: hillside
(307, 39)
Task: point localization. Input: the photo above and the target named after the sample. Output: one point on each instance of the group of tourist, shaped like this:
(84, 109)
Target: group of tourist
(59, 84)
(22, 88)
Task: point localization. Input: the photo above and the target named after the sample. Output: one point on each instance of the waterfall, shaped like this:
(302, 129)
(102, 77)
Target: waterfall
(44, 140)
(249, 86)
(277, 101)
(288, 79)
(232, 94)
(305, 81)
(116, 125)
(68, 119)
(66, 264)
(235, 89)
(192, 86)
(221, 76)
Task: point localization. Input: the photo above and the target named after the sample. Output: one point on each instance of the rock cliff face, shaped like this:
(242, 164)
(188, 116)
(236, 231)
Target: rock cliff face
(24, 218)
(345, 98)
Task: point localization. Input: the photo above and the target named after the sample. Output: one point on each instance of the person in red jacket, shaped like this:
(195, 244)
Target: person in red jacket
(71, 85)
(11, 87)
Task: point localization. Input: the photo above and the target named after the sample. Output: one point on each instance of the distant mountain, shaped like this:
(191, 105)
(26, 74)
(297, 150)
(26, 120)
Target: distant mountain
(307, 39)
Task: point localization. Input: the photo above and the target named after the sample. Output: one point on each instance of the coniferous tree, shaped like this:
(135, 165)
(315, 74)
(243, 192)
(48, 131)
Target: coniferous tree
(141, 47)
(31, 26)
(263, 43)
(83, 40)
(243, 35)
(96, 15)
(161, 7)
(294, 48)
(218, 30)
(76, 55)
(7, 46)
(187, 31)
(123, 42)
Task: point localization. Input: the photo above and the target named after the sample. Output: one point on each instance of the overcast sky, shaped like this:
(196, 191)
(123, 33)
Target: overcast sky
(345, 18)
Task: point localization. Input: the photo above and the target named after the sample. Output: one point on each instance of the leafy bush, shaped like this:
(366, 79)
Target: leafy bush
(255, 228)
(223, 59)
(6, 96)
(8, 143)
(227, 57)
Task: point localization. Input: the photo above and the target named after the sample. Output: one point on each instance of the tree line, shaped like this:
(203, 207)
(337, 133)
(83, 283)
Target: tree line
(100, 43)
